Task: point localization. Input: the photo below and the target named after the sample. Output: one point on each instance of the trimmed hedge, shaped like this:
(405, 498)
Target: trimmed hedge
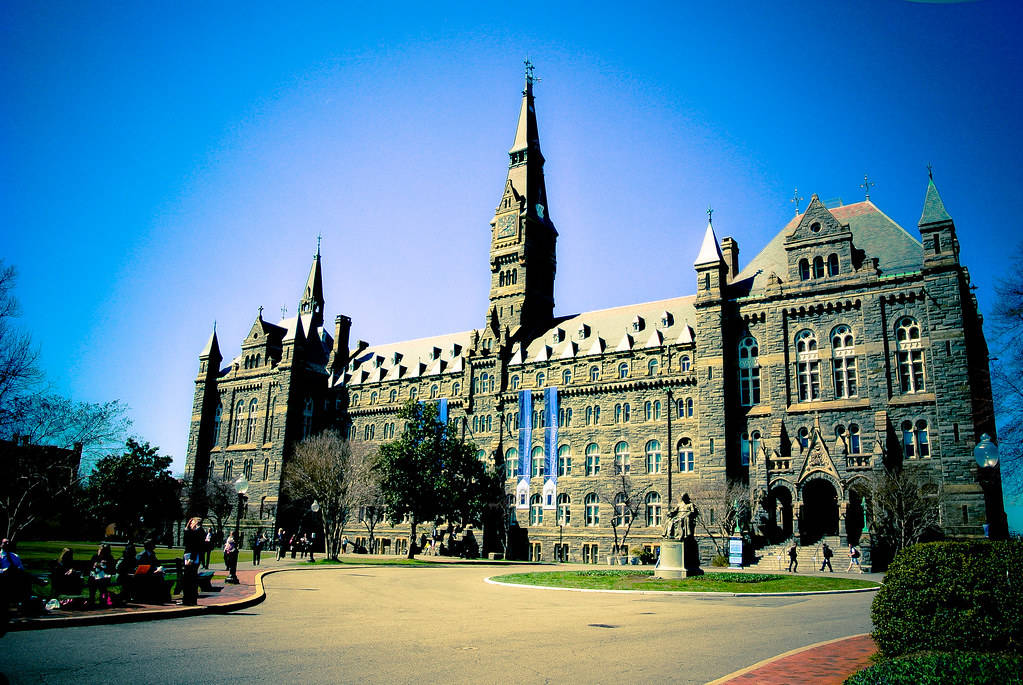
(941, 668)
(949, 596)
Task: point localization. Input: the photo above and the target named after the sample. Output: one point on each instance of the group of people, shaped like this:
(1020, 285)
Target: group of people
(826, 553)
(297, 543)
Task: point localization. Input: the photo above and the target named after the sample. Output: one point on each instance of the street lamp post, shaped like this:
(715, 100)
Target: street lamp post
(315, 508)
(986, 454)
(241, 486)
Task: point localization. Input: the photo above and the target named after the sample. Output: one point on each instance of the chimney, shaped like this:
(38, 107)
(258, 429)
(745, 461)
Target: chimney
(730, 251)
(339, 355)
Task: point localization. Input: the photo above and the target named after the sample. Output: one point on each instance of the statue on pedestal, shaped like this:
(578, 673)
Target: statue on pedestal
(680, 554)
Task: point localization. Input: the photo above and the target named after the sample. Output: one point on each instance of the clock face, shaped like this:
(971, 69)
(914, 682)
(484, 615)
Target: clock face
(506, 225)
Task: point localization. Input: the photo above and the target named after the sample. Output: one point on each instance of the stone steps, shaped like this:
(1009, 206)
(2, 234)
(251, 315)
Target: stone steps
(775, 557)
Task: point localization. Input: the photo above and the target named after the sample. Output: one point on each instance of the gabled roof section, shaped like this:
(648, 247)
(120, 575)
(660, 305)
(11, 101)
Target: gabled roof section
(710, 251)
(625, 345)
(873, 232)
(816, 222)
(934, 209)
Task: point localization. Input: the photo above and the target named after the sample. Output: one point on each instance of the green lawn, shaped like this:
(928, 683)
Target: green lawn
(40, 555)
(709, 582)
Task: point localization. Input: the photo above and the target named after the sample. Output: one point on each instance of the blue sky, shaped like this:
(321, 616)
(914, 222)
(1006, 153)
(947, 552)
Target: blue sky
(166, 165)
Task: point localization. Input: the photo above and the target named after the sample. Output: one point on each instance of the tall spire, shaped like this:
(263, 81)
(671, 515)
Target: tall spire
(312, 295)
(710, 252)
(934, 209)
(525, 161)
(212, 347)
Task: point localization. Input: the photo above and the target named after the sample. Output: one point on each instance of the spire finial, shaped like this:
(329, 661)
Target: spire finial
(796, 199)
(214, 325)
(260, 311)
(866, 185)
(930, 171)
(319, 236)
(531, 77)
(284, 311)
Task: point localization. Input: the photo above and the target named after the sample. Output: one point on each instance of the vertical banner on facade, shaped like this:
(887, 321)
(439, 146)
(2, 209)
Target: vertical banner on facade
(550, 467)
(442, 410)
(525, 433)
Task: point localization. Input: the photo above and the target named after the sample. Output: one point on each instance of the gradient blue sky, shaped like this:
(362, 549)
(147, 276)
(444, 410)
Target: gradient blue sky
(166, 165)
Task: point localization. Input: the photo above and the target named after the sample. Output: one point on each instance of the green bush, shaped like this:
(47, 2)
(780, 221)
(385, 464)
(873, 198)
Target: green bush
(719, 561)
(949, 596)
(939, 668)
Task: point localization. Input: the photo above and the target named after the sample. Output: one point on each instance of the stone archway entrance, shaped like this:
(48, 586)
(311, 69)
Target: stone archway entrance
(780, 509)
(819, 511)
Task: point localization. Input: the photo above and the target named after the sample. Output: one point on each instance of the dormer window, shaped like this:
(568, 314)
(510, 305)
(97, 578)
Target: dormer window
(667, 319)
(435, 354)
(456, 349)
(637, 323)
(583, 332)
(378, 361)
(558, 335)
(395, 358)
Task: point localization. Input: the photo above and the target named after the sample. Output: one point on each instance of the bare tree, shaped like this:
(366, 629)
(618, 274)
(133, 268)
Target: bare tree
(905, 507)
(18, 370)
(372, 510)
(324, 469)
(626, 499)
(734, 500)
(1007, 374)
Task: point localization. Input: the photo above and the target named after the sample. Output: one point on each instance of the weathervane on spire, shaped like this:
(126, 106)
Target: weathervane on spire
(930, 171)
(531, 78)
(710, 215)
(866, 185)
(796, 199)
(261, 311)
(284, 310)
(319, 236)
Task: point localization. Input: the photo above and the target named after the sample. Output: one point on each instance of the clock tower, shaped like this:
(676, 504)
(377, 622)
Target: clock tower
(523, 237)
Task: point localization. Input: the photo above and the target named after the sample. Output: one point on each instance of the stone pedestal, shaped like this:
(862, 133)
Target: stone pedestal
(678, 559)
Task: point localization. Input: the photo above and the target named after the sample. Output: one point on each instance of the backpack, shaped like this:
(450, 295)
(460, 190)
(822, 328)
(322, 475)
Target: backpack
(828, 553)
(855, 554)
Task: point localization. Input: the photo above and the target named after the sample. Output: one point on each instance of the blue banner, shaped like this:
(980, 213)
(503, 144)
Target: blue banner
(442, 410)
(550, 443)
(525, 433)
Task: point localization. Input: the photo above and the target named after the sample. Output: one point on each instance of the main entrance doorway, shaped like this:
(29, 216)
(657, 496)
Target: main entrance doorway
(819, 513)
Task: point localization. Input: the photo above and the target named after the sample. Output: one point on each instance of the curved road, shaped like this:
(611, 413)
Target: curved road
(387, 624)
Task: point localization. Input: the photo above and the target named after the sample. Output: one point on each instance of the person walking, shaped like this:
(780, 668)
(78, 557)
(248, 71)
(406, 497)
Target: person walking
(793, 559)
(207, 549)
(828, 553)
(257, 548)
(195, 554)
(282, 541)
(231, 557)
(854, 559)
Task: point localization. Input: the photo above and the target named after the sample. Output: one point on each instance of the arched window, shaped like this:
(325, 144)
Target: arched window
(218, 416)
(626, 413)
(594, 374)
(564, 460)
(689, 407)
(622, 458)
(818, 267)
(307, 418)
(564, 509)
(804, 270)
(623, 370)
(266, 468)
(648, 411)
(589, 416)
(592, 509)
(592, 459)
(651, 367)
(540, 378)
(490, 422)
(500, 279)
(566, 377)
(373, 397)
(686, 458)
(514, 382)
(832, 264)
(238, 421)
(749, 448)
(355, 400)
(618, 413)
(434, 391)
(250, 427)
(536, 459)
(910, 355)
(854, 439)
(413, 393)
(596, 414)
(803, 435)
(653, 509)
(229, 469)
(915, 440)
(393, 395)
(247, 469)
(535, 511)
(808, 366)
(456, 388)
(684, 363)
(657, 410)
(843, 357)
(653, 457)
(511, 462)
(749, 372)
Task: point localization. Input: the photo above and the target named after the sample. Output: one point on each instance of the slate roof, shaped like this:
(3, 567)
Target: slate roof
(873, 232)
(580, 335)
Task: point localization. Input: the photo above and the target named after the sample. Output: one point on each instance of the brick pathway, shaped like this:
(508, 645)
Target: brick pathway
(828, 663)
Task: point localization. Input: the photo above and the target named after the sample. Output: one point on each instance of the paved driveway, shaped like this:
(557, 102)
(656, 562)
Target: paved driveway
(403, 625)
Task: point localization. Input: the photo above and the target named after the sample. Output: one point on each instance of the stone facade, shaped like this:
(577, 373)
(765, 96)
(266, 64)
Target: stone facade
(845, 344)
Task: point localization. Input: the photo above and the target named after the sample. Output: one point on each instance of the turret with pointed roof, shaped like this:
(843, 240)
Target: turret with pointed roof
(711, 270)
(312, 294)
(937, 231)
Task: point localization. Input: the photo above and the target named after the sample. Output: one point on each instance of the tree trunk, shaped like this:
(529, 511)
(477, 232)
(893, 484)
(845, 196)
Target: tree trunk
(412, 540)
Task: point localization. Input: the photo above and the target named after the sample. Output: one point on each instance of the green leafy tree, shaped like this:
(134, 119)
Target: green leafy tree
(134, 491)
(428, 474)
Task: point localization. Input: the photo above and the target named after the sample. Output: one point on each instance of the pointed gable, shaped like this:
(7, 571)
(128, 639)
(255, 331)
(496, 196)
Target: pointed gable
(656, 340)
(817, 223)
(626, 344)
(597, 347)
(934, 209)
(688, 335)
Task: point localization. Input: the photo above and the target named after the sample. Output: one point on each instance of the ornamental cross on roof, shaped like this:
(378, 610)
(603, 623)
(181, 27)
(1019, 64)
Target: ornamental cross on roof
(319, 236)
(796, 199)
(261, 311)
(531, 78)
(930, 171)
(866, 185)
(710, 215)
